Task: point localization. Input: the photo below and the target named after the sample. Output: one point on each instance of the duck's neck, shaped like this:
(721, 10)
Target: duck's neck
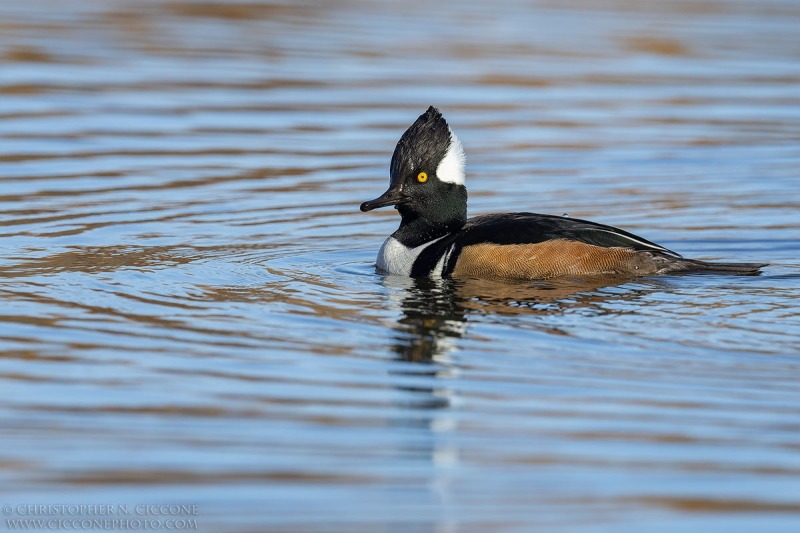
(437, 220)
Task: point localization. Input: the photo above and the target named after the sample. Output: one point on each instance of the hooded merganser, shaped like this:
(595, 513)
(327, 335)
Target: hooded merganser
(436, 239)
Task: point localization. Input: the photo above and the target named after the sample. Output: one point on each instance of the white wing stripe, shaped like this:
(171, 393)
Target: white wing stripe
(641, 243)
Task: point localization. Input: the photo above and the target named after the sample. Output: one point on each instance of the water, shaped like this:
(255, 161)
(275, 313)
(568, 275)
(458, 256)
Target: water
(190, 312)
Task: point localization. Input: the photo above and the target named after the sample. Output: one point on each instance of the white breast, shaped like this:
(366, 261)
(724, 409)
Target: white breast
(395, 257)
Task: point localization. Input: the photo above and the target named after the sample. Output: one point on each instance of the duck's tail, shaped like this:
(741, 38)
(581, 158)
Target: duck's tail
(693, 266)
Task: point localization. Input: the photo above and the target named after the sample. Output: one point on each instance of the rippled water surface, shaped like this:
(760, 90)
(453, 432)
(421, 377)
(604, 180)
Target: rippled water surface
(190, 311)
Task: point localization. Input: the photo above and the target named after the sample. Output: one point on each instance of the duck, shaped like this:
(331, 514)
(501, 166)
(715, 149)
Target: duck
(436, 239)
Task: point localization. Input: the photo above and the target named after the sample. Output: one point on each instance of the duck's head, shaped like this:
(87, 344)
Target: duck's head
(427, 175)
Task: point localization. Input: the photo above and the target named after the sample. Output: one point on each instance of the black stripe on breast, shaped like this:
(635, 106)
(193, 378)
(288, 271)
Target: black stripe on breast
(428, 258)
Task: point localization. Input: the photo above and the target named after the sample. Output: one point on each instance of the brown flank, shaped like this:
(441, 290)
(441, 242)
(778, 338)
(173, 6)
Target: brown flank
(551, 259)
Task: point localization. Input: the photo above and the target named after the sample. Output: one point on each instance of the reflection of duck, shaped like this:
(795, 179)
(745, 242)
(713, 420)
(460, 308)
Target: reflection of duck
(436, 311)
(545, 297)
(435, 314)
(433, 317)
(436, 239)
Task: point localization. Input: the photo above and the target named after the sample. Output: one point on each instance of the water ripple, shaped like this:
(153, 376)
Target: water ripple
(191, 309)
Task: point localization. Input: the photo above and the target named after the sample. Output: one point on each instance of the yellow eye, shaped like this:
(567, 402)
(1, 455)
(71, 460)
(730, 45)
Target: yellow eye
(422, 177)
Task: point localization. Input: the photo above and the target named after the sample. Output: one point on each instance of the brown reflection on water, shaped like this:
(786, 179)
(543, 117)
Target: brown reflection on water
(436, 312)
(656, 45)
(27, 54)
(100, 259)
(237, 10)
(144, 477)
(707, 505)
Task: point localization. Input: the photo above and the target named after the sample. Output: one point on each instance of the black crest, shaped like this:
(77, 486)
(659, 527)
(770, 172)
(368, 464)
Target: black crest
(422, 146)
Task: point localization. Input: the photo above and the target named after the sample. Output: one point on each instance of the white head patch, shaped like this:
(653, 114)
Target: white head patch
(451, 169)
